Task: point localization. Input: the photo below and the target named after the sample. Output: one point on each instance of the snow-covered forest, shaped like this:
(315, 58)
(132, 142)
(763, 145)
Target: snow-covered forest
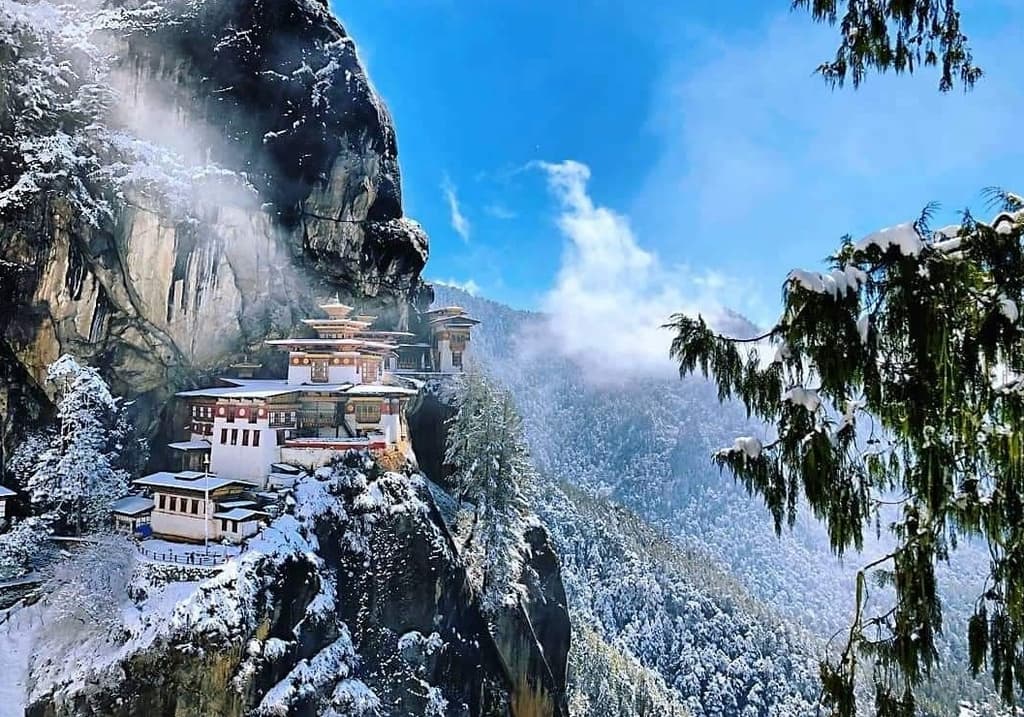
(648, 459)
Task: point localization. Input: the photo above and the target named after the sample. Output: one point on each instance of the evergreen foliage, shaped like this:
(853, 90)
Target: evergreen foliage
(898, 35)
(73, 471)
(895, 379)
(492, 471)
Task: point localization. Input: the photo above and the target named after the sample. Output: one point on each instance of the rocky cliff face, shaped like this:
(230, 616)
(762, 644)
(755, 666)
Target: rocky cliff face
(355, 603)
(179, 180)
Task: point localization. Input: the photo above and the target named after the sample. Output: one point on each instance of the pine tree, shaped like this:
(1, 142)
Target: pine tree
(74, 471)
(901, 36)
(895, 387)
(492, 470)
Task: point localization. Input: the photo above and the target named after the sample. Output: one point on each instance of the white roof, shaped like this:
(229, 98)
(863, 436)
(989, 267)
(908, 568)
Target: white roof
(265, 388)
(186, 480)
(229, 504)
(276, 388)
(6, 492)
(190, 446)
(376, 389)
(365, 343)
(239, 514)
(132, 505)
(287, 468)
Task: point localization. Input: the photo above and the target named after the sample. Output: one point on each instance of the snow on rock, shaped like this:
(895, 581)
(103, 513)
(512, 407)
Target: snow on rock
(354, 599)
(904, 237)
(311, 677)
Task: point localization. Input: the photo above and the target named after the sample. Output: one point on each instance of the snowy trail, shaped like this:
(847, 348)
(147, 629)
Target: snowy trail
(17, 636)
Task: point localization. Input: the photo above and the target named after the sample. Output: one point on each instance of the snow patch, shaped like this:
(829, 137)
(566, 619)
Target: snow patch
(903, 237)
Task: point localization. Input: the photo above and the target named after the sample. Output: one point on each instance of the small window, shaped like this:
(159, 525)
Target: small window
(253, 414)
(256, 439)
(245, 437)
(161, 500)
(234, 526)
(195, 411)
(173, 505)
(223, 436)
(368, 412)
(195, 507)
(319, 373)
(457, 359)
(223, 525)
(234, 436)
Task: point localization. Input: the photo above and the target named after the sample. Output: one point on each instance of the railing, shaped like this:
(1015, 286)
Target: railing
(206, 561)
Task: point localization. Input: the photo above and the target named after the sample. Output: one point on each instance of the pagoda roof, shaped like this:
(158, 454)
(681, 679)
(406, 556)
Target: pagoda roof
(257, 389)
(337, 307)
(376, 334)
(353, 323)
(263, 388)
(359, 343)
(455, 320)
(446, 310)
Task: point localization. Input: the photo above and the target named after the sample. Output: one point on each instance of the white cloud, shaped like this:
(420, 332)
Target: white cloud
(469, 286)
(459, 221)
(611, 296)
(500, 211)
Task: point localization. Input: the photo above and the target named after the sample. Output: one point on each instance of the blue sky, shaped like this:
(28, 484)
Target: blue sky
(716, 159)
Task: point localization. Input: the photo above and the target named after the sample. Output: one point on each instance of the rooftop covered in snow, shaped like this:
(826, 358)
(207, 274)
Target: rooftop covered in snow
(132, 505)
(191, 481)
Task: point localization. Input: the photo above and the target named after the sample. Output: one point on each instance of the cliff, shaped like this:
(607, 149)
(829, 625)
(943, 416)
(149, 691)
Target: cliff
(180, 180)
(353, 603)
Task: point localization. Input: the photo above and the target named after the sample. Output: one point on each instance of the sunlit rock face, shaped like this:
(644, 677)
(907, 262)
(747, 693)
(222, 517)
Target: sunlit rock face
(197, 178)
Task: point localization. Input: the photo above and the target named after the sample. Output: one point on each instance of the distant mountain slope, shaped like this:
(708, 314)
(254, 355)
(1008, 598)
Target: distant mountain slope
(645, 443)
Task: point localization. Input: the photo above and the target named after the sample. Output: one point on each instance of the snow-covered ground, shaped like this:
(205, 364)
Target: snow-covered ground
(18, 631)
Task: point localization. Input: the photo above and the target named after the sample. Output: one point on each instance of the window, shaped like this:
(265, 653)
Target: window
(195, 507)
(234, 526)
(253, 414)
(457, 359)
(367, 413)
(223, 525)
(174, 505)
(245, 437)
(223, 436)
(255, 439)
(195, 411)
(234, 436)
(318, 374)
(161, 500)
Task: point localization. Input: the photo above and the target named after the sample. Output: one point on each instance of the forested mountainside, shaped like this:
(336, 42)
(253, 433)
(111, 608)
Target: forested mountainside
(645, 443)
(179, 180)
